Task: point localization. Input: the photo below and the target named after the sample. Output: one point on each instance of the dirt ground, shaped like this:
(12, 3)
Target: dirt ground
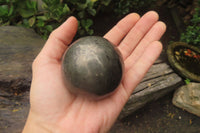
(160, 116)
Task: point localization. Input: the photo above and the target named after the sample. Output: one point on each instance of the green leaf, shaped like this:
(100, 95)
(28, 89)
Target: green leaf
(93, 1)
(26, 13)
(49, 28)
(81, 32)
(106, 2)
(45, 37)
(82, 6)
(44, 6)
(4, 10)
(34, 3)
(90, 32)
(11, 10)
(86, 23)
(51, 2)
(40, 23)
(31, 5)
(44, 18)
(25, 23)
(92, 11)
(187, 81)
(31, 21)
(66, 9)
(81, 14)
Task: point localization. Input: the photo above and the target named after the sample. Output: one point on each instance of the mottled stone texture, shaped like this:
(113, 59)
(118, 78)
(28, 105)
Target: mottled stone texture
(18, 48)
(93, 65)
(188, 98)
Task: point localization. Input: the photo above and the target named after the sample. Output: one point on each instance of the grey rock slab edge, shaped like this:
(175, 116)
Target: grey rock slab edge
(159, 81)
(187, 97)
(18, 48)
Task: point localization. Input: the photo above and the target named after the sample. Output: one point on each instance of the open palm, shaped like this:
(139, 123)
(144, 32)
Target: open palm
(55, 109)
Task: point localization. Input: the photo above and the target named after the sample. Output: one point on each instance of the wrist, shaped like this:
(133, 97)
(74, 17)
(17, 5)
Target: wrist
(34, 124)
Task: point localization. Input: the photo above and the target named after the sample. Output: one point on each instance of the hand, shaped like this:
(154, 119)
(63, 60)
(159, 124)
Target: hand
(55, 109)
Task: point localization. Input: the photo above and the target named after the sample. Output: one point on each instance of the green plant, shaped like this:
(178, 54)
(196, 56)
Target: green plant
(122, 7)
(11, 11)
(192, 33)
(187, 81)
(55, 12)
(26, 13)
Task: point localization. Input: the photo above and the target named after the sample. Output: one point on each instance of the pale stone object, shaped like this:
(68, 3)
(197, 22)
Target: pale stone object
(188, 98)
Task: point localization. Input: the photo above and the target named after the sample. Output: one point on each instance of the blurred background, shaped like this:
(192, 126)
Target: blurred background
(96, 17)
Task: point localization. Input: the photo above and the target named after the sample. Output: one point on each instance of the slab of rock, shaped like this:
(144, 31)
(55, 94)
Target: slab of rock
(159, 81)
(188, 98)
(13, 111)
(18, 48)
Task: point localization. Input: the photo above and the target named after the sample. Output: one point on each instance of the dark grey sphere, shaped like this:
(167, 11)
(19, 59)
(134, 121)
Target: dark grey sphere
(93, 65)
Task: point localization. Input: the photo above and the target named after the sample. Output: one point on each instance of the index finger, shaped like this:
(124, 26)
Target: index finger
(60, 39)
(119, 31)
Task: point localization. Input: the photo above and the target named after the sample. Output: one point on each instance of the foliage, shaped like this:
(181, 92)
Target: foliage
(175, 3)
(187, 81)
(122, 7)
(11, 10)
(24, 13)
(192, 34)
(54, 12)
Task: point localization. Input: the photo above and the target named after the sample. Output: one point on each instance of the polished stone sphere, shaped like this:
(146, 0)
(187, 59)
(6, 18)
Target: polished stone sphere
(92, 65)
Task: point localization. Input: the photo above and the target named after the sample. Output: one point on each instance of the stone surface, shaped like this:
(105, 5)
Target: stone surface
(88, 65)
(188, 98)
(18, 48)
(13, 110)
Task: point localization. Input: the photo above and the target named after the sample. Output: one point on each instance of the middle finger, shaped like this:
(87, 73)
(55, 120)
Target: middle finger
(133, 38)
